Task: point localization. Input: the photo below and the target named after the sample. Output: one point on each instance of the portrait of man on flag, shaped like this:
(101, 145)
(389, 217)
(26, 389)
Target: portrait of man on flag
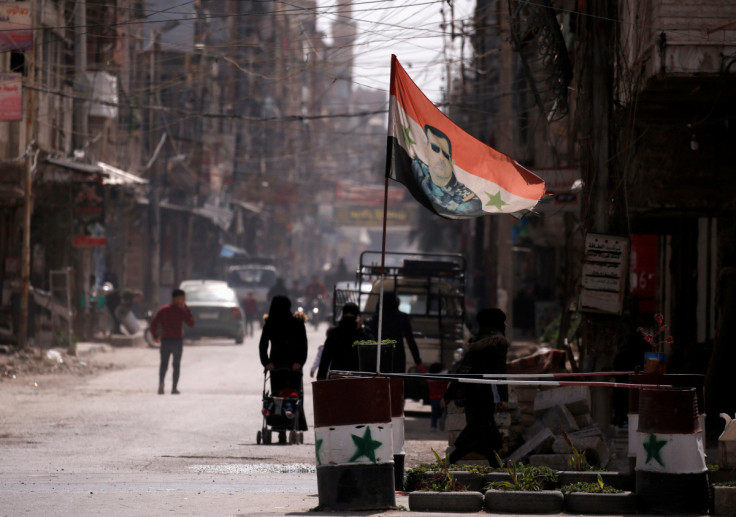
(436, 176)
(444, 168)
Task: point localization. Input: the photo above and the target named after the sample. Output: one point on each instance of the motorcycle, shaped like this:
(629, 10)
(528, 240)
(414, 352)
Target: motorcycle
(314, 308)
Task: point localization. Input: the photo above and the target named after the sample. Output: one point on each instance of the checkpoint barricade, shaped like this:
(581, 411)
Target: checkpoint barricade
(354, 443)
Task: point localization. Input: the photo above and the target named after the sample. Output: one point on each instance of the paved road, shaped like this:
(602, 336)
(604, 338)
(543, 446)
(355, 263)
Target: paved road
(107, 444)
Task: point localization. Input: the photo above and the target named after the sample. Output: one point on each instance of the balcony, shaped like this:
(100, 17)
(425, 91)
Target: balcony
(678, 53)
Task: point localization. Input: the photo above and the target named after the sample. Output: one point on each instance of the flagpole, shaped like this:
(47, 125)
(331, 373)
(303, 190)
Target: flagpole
(389, 155)
(383, 275)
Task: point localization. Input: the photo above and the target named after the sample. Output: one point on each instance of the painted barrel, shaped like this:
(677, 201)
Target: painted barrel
(671, 476)
(353, 440)
(684, 380)
(397, 424)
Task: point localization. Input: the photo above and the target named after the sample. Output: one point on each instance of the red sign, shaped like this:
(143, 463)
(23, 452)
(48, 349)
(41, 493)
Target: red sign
(11, 97)
(643, 280)
(89, 215)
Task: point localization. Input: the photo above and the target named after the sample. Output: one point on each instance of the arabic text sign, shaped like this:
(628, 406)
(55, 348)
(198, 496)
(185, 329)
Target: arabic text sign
(604, 273)
(11, 97)
(15, 26)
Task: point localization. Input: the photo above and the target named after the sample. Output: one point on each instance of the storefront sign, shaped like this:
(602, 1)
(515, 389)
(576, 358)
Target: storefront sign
(15, 26)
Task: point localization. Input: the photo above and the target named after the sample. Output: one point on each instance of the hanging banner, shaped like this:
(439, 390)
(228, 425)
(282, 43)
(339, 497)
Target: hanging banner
(11, 97)
(15, 26)
(89, 215)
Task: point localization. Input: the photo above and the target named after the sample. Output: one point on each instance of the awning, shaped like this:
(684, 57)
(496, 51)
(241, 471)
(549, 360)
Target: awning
(251, 207)
(110, 175)
(117, 176)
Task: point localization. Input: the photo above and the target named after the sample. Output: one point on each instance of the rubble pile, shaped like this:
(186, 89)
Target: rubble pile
(552, 412)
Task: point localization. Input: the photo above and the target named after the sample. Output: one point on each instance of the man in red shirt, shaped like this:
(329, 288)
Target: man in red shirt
(170, 318)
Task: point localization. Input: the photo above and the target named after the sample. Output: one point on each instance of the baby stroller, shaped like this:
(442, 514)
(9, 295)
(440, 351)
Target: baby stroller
(282, 408)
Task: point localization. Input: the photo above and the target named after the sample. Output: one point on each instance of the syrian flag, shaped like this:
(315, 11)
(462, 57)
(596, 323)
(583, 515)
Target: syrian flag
(447, 170)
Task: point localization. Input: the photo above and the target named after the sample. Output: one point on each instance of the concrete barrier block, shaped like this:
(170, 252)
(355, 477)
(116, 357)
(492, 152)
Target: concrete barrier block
(455, 422)
(584, 420)
(536, 443)
(558, 419)
(576, 398)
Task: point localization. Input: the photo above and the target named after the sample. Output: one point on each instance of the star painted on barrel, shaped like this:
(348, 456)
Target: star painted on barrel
(407, 136)
(654, 449)
(495, 200)
(365, 446)
(317, 447)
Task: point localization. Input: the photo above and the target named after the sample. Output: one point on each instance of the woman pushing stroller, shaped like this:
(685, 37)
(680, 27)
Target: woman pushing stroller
(287, 336)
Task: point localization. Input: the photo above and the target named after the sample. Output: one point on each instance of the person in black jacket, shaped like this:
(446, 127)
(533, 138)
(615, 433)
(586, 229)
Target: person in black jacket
(338, 352)
(288, 339)
(486, 354)
(396, 326)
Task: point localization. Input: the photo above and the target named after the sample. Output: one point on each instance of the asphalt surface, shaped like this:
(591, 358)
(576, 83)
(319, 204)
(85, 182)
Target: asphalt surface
(108, 444)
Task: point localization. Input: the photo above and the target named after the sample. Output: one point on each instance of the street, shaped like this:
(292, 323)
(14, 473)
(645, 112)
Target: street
(107, 444)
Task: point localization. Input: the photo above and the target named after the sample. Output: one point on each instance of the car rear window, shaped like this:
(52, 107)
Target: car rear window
(211, 295)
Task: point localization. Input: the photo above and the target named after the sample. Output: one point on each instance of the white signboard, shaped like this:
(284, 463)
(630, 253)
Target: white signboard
(605, 268)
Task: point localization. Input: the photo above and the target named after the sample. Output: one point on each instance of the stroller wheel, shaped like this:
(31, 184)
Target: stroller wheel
(258, 438)
(267, 437)
(282, 437)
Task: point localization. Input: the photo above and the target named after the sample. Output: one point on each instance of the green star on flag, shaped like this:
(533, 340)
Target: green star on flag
(317, 448)
(654, 449)
(495, 200)
(407, 136)
(365, 446)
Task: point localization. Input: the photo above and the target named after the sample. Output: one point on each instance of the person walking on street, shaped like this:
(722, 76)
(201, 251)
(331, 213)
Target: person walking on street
(287, 336)
(250, 308)
(396, 326)
(486, 354)
(170, 318)
(338, 352)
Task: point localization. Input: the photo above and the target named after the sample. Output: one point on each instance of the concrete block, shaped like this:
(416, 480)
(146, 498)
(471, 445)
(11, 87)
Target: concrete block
(558, 419)
(535, 427)
(553, 461)
(584, 420)
(536, 443)
(503, 419)
(513, 402)
(591, 430)
(527, 419)
(455, 422)
(576, 398)
(596, 449)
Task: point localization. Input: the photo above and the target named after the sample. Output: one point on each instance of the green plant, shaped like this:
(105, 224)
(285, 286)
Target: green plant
(63, 339)
(591, 488)
(725, 483)
(577, 460)
(436, 477)
(384, 342)
(524, 477)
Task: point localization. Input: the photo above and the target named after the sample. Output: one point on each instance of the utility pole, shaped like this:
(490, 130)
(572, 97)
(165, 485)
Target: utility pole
(25, 266)
(597, 82)
(154, 193)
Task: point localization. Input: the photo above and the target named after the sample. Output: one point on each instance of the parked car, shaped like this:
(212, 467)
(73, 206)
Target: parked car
(216, 310)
